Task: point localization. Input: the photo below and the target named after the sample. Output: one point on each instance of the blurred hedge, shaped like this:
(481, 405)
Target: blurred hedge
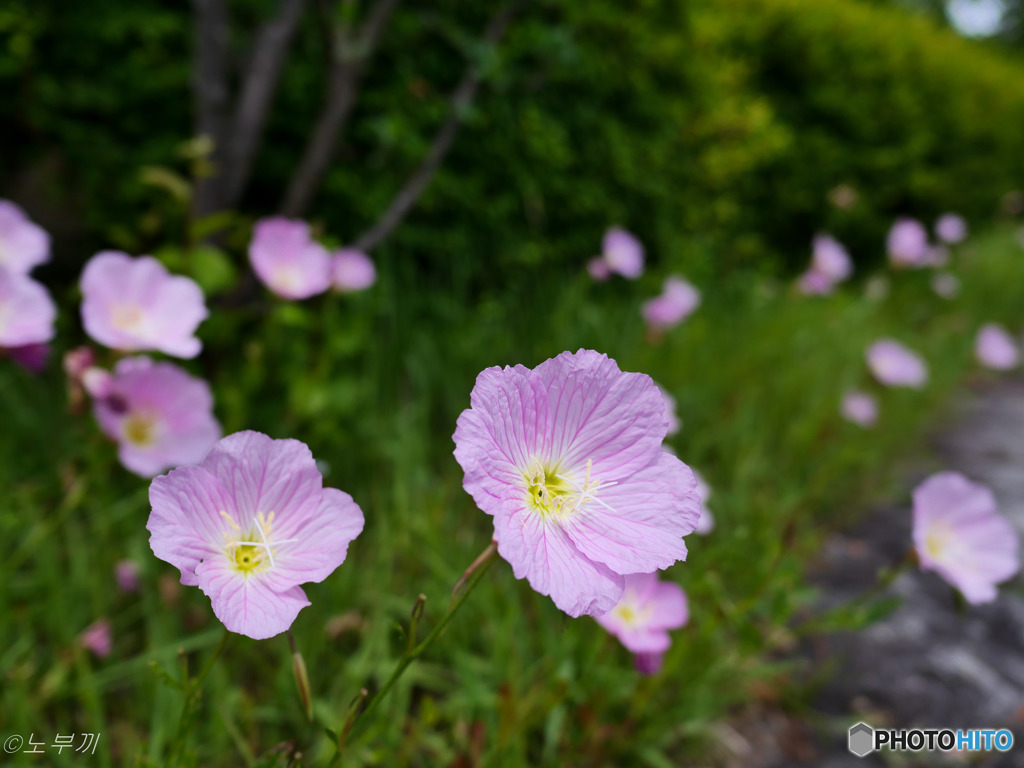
(713, 128)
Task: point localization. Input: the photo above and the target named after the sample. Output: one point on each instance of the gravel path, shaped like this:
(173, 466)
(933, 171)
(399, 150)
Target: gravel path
(933, 662)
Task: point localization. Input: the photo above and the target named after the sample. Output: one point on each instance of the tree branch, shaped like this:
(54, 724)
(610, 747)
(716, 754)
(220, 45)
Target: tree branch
(349, 58)
(210, 89)
(460, 101)
(266, 62)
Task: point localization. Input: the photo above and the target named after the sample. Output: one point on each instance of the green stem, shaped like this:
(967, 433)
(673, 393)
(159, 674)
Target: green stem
(463, 588)
(210, 662)
(191, 690)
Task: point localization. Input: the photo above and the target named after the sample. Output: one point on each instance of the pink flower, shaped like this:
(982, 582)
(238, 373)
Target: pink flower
(830, 258)
(678, 300)
(32, 357)
(896, 366)
(27, 312)
(97, 638)
(951, 228)
(288, 260)
(907, 243)
(959, 534)
(159, 415)
(995, 348)
(23, 245)
(812, 283)
(642, 617)
(136, 304)
(936, 256)
(567, 458)
(127, 573)
(706, 523)
(352, 270)
(859, 408)
(945, 285)
(623, 253)
(599, 269)
(674, 424)
(249, 525)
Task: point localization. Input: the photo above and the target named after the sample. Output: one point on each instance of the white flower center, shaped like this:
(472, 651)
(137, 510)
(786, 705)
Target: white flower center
(556, 496)
(254, 551)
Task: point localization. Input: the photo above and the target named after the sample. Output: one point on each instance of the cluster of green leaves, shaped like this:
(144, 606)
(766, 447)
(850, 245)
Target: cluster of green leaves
(713, 129)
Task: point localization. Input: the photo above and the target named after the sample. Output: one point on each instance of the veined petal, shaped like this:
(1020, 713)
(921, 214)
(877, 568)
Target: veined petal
(544, 555)
(321, 541)
(639, 524)
(248, 604)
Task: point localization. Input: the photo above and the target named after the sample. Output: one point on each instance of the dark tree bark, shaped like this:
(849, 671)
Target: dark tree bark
(349, 57)
(211, 91)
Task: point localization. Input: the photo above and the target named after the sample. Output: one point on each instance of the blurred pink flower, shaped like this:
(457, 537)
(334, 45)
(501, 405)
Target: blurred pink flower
(859, 408)
(995, 348)
(706, 523)
(959, 534)
(623, 253)
(907, 243)
(829, 258)
(23, 245)
(642, 617)
(946, 285)
(951, 228)
(134, 305)
(352, 270)
(936, 256)
(674, 424)
(27, 313)
(127, 573)
(812, 283)
(97, 637)
(32, 357)
(159, 415)
(896, 366)
(250, 525)
(678, 300)
(599, 269)
(567, 458)
(287, 260)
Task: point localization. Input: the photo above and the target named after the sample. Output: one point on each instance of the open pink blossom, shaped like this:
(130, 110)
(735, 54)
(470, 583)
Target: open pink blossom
(97, 637)
(642, 617)
(352, 270)
(830, 258)
(896, 366)
(946, 285)
(678, 300)
(706, 523)
(959, 533)
(135, 305)
(23, 244)
(995, 348)
(951, 228)
(27, 313)
(160, 416)
(249, 525)
(288, 260)
(623, 253)
(907, 243)
(860, 408)
(567, 458)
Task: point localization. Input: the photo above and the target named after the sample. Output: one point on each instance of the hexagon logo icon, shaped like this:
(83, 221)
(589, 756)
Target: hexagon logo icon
(861, 739)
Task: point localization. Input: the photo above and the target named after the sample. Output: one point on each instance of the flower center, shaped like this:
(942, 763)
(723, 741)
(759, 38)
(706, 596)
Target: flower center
(127, 317)
(140, 429)
(553, 495)
(935, 541)
(253, 551)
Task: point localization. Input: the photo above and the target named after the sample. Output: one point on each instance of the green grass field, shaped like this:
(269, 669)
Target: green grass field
(374, 383)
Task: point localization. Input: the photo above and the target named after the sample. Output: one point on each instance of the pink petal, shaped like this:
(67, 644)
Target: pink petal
(249, 605)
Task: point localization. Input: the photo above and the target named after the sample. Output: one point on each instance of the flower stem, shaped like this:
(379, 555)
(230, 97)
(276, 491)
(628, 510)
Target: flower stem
(463, 588)
(191, 690)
